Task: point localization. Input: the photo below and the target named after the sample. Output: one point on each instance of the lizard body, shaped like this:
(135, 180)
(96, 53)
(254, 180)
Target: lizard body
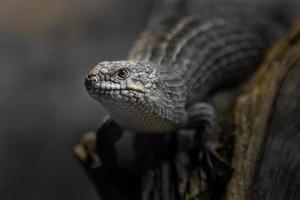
(175, 66)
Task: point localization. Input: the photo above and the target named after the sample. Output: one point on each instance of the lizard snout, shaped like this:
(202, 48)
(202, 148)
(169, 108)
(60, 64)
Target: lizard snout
(93, 77)
(91, 80)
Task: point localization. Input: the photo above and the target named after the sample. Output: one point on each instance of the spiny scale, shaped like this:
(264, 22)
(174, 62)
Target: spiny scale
(196, 56)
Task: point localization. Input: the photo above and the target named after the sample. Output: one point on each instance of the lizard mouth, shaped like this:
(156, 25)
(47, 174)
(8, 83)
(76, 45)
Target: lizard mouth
(98, 88)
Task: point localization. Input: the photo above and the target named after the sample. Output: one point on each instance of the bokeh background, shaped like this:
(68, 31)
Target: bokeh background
(46, 49)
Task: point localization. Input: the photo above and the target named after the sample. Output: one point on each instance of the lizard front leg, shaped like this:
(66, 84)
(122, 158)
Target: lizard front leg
(202, 118)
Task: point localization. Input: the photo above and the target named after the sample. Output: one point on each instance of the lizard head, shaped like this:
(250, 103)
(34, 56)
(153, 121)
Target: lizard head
(130, 91)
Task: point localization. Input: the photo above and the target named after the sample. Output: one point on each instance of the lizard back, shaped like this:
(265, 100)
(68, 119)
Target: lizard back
(199, 54)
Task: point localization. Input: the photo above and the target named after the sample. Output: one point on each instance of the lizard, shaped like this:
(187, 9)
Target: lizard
(173, 68)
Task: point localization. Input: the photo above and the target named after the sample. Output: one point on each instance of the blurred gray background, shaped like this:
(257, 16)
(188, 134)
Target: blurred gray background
(46, 49)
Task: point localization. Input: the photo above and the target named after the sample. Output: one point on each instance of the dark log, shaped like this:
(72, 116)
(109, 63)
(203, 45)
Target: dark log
(159, 168)
(266, 158)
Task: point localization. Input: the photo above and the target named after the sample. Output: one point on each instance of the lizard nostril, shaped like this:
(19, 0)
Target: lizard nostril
(90, 80)
(92, 77)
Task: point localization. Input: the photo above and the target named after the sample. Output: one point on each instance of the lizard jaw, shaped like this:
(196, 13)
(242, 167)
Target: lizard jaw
(108, 89)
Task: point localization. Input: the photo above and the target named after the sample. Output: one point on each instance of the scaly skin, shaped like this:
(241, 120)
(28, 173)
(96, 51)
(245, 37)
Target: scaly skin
(175, 66)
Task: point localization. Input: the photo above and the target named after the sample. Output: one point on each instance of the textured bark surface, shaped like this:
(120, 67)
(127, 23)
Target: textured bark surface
(162, 167)
(264, 156)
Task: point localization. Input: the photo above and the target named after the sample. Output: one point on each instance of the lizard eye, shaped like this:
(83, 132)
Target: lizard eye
(123, 73)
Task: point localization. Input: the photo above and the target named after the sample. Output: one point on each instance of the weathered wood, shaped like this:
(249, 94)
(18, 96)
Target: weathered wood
(266, 154)
(162, 168)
